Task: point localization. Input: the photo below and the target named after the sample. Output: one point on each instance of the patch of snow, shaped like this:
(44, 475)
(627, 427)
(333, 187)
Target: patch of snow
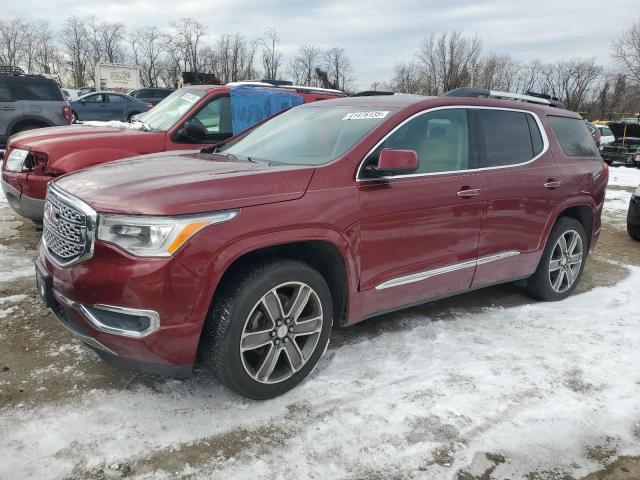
(12, 299)
(8, 311)
(617, 201)
(624, 176)
(115, 124)
(538, 383)
(15, 263)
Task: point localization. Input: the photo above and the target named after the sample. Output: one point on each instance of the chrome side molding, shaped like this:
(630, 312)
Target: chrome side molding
(418, 277)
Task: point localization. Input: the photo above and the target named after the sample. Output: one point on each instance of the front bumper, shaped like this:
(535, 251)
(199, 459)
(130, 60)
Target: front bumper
(23, 205)
(158, 288)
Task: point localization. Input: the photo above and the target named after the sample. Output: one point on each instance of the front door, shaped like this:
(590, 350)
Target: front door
(116, 107)
(419, 232)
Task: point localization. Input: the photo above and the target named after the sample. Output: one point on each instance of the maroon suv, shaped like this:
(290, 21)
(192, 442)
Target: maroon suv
(326, 215)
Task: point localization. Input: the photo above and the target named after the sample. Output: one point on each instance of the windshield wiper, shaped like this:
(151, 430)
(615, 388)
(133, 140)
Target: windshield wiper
(213, 148)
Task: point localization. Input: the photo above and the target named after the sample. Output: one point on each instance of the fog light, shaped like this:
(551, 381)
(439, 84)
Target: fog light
(128, 322)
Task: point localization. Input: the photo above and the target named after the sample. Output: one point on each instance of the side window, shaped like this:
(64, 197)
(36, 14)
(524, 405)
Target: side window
(216, 116)
(99, 98)
(507, 137)
(35, 89)
(573, 136)
(5, 91)
(116, 99)
(440, 139)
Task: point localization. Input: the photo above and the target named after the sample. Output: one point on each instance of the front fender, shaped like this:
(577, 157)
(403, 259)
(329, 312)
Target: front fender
(233, 251)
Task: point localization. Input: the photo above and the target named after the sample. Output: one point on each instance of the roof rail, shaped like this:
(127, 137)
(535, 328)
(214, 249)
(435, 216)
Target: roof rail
(372, 93)
(10, 70)
(485, 92)
(255, 83)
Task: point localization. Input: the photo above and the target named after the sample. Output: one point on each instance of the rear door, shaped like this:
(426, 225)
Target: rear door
(116, 105)
(523, 186)
(10, 110)
(419, 232)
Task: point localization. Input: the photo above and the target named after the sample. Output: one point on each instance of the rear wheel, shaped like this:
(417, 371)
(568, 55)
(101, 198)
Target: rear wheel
(268, 328)
(633, 226)
(562, 262)
(74, 117)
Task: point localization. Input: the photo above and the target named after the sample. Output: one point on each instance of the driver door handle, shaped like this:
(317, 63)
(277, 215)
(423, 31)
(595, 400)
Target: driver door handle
(469, 192)
(551, 184)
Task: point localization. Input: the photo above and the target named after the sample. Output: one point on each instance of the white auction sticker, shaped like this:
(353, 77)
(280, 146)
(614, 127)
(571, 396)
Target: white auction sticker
(365, 115)
(190, 97)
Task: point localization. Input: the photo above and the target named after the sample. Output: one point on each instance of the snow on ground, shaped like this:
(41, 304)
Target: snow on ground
(624, 177)
(15, 262)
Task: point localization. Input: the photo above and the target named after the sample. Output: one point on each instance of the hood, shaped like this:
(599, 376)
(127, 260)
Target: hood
(618, 129)
(177, 184)
(72, 145)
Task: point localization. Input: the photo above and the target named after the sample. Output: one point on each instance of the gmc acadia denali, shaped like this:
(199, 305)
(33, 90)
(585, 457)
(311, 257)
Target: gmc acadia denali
(245, 257)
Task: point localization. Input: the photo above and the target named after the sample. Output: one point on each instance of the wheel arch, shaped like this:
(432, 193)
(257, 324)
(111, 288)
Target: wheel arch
(28, 120)
(320, 254)
(582, 211)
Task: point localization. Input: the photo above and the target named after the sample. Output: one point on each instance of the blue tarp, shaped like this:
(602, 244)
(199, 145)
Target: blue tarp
(250, 105)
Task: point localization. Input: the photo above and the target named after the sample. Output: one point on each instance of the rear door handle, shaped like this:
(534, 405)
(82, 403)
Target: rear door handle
(469, 192)
(551, 184)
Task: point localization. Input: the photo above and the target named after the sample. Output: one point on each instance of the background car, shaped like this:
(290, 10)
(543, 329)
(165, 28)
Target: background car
(70, 94)
(595, 133)
(84, 90)
(607, 135)
(190, 118)
(151, 95)
(28, 102)
(107, 106)
(633, 215)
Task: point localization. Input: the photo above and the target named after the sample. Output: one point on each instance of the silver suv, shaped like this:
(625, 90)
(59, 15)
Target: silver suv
(28, 102)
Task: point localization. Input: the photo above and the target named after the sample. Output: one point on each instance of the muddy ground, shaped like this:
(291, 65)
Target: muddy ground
(41, 365)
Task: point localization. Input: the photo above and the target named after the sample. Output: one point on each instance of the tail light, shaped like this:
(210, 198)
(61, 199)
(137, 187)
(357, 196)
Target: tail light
(149, 105)
(66, 113)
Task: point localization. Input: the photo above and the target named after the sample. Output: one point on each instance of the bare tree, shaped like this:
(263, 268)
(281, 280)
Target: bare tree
(496, 72)
(74, 36)
(148, 46)
(338, 68)
(235, 58)
(572, 81)
(408, 78)
(271, 58)
(48, 57)
(304, 64)
(112, 35)
(12, 40)
(186, 37)
(448, 60)
(626, 51)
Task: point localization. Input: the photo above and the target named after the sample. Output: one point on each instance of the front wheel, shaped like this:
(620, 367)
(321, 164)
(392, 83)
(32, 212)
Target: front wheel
(268, 328)
(562, 262)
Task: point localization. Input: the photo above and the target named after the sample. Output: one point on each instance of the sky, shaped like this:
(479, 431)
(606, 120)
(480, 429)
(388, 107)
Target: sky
(376, 34)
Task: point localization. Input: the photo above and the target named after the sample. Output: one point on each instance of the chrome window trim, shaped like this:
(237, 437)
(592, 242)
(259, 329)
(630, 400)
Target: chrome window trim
(419, 276)
(90, 227)
(543, 134)
(153, 316)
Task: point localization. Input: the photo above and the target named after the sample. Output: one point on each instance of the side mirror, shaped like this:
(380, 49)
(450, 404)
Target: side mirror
(193, 131)
(83, 101)
(395, 162)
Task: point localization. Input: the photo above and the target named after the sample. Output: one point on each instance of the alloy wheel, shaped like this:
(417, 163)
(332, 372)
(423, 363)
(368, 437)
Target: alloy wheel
(281, 332)
(566, 261)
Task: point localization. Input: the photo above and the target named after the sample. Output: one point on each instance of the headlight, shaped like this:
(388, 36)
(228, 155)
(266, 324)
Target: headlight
(155, 236)
(15, 160)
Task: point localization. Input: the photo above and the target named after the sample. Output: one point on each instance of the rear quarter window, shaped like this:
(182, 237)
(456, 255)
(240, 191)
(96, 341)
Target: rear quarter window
(573, 136)
(35, 89)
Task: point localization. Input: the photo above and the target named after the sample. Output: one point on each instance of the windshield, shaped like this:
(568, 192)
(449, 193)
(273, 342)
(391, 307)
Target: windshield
(308, 135)
(170, 110)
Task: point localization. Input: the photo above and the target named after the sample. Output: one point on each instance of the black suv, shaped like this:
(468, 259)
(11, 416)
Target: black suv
(29, 101)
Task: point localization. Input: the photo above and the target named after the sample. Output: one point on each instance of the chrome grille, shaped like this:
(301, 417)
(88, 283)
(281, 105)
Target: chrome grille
(66, 228)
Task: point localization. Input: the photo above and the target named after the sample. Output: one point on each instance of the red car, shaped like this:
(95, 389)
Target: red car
(328, 214)
(189, 118)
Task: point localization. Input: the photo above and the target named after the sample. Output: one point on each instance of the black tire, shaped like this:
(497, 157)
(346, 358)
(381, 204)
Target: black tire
(74, 117)
(633, 226)
(27, 126)
(232, 310)
(539, 284)
(131, 115)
